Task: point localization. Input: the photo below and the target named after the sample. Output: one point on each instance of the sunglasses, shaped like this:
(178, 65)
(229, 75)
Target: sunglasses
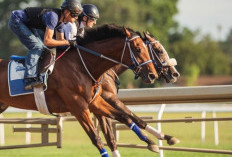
(75, 14)
(92, 19)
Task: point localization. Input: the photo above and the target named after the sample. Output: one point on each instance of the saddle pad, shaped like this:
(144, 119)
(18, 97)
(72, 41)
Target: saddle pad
(16, 79)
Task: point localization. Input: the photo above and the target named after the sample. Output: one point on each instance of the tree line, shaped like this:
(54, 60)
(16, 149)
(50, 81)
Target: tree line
(196, 54)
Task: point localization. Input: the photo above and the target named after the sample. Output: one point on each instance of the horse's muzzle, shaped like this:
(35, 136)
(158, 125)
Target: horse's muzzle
(151, 76)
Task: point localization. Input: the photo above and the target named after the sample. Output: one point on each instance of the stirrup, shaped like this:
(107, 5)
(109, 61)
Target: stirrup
(33, 83)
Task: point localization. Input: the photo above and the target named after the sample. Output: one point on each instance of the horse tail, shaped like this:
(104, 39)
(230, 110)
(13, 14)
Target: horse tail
(3, 63)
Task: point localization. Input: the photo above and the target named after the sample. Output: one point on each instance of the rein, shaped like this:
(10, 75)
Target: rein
(116, 79)
(135, 67)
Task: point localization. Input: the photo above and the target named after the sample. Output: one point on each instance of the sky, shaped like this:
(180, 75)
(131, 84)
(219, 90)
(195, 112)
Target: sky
(207, 15)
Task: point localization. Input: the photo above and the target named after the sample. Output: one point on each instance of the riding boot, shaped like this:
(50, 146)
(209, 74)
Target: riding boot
(32, 82)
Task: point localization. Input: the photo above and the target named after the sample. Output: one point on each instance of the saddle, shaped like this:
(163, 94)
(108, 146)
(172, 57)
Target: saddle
(45, 61)
(17, 70)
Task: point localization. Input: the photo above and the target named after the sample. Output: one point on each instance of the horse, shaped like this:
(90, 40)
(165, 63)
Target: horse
(110, 89)
(164, 65)
(72, 85)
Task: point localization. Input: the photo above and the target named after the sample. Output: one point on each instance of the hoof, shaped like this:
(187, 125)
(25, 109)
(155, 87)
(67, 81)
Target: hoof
(153, 148)
(173, 141)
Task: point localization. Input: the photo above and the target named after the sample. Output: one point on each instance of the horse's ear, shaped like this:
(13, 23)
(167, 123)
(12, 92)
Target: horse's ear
(128, 34)
(145, 35)
(151, 36)
(148, 33)
(148, 36)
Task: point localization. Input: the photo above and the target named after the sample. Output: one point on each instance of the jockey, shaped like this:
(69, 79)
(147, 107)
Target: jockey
(34, 26)
(88, 18)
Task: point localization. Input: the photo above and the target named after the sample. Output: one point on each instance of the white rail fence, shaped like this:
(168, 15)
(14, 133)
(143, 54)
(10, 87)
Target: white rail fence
(199, 94)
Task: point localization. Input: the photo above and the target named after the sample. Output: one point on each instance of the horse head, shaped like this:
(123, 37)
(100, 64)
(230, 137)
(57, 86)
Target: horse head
(164, 65)
(118, 45)
(141, 62)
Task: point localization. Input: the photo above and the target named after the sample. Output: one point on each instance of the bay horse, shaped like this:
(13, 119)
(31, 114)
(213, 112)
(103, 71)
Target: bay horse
(71, 88)
(110, 89)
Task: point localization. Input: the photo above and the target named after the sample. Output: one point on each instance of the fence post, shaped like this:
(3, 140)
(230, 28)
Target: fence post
(44, 134)
(216, 139)
(28, 134)
(203, 115)
(159, 117)
(2, 133)
(59, 131)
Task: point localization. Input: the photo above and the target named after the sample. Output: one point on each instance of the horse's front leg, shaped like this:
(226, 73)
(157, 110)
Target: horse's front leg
(100, 106)
(79, 108)
(85, 119)
(107, 130)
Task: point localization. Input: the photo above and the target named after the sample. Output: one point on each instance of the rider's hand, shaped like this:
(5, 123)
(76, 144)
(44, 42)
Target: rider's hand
(73, 43)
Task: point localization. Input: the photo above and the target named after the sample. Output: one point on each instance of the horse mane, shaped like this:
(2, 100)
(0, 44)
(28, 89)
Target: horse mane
(102, 32)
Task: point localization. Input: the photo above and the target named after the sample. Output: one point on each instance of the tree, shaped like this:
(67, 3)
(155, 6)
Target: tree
(227, 48)
(203, 55)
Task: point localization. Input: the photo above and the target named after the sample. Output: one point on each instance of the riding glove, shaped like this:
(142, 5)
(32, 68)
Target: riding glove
(73, 43)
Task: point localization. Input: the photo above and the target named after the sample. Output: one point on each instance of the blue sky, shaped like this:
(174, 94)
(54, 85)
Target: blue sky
(206, 15)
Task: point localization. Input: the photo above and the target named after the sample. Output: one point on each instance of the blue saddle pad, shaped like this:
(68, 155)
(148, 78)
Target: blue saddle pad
(16, 58)
(16, 72)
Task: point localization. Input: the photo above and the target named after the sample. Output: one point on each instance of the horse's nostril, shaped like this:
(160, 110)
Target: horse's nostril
(152, 76)
(175, 74)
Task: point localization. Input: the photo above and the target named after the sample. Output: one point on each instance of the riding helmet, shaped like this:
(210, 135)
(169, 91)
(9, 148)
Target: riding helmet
(72, 5)
(90, 10)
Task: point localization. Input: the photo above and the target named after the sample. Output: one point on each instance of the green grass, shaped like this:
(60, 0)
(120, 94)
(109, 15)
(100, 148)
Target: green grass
(76, 143)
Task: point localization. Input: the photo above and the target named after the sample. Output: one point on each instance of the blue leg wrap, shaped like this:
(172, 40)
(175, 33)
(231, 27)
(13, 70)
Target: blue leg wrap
(104, 153)
(137, 130)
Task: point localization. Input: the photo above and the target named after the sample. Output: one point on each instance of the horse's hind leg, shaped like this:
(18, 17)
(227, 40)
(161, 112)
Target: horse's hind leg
(3, 107)
(85, 119)
(100, 106)
(116, 103)
(142, 124)
(107, 130)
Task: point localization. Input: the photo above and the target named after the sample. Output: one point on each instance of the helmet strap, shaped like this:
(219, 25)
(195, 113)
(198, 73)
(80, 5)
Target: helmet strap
(86, 21)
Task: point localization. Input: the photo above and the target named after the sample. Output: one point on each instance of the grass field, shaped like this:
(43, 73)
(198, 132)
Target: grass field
(77, 144)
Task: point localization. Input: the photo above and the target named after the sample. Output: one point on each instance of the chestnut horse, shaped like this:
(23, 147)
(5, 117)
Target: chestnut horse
(110, 88)
(71, 88)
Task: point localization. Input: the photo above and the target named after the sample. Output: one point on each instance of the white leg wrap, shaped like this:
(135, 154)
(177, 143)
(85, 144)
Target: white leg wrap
(116, 153)
(154, 132)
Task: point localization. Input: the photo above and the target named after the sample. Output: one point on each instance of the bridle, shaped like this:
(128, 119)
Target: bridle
(158, 63)
(135, 67)
(155, 58)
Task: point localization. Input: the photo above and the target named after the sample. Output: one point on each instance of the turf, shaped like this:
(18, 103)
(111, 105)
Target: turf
(76, 142)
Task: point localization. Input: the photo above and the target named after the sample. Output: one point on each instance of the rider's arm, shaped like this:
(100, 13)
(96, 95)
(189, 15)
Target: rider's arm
(49, 41)
(59, 36)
